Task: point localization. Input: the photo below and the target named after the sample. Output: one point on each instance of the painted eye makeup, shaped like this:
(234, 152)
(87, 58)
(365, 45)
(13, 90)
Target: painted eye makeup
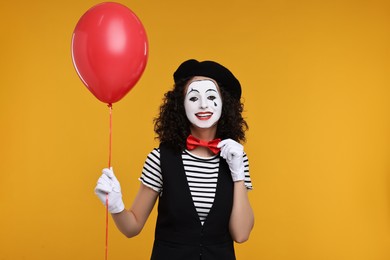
(193, 99)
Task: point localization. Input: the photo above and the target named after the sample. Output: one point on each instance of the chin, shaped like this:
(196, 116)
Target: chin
(203, 126)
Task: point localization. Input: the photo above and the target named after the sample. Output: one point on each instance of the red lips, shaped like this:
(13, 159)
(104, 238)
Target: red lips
(204, 115)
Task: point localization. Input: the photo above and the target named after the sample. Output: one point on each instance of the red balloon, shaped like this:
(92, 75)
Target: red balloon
(109, 50)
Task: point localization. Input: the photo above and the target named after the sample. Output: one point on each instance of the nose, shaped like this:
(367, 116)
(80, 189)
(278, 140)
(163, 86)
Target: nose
(203, 103)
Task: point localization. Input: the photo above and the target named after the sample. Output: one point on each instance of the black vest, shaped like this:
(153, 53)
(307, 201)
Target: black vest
(179, 233)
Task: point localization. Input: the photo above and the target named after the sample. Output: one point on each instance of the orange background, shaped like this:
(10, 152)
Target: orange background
(315, 78)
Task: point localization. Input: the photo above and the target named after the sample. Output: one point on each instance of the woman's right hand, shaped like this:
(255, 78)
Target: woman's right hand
(108, 184)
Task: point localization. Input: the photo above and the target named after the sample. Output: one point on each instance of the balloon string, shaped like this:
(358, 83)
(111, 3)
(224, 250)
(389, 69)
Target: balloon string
(110, 142)
(106, 227)
(109, 165)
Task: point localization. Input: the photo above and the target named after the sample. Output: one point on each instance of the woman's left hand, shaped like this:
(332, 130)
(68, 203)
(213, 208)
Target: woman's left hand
(233, 153)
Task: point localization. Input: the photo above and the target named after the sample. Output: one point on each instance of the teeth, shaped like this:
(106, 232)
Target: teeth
(204, 115)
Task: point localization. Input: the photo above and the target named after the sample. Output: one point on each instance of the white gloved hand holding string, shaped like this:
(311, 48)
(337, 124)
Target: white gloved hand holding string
(109, 184)
(233, 153)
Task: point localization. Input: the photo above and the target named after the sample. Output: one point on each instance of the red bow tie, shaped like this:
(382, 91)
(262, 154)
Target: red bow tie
(193, 142)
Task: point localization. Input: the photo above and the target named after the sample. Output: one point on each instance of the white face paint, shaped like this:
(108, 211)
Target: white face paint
(203, 103)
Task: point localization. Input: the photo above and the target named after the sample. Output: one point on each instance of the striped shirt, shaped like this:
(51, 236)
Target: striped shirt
(201, 173)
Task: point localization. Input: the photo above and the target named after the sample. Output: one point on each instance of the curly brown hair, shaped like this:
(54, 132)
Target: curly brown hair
(172, 126)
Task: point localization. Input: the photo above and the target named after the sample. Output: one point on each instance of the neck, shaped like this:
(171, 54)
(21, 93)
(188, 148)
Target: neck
(205, 134)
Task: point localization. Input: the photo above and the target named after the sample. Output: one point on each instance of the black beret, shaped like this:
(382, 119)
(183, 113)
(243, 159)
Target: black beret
(210, 69)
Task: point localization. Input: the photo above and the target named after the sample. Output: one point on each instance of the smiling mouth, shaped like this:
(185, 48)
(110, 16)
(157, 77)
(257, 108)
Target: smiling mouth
(204, 115)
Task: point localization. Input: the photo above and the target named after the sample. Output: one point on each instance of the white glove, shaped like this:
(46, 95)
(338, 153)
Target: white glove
(233, 153)
(108, 184)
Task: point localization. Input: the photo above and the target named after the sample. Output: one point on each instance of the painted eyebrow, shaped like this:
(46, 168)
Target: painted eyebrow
(192, 90)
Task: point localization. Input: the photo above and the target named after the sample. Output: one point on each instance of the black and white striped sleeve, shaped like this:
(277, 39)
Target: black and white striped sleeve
(248, 182)
(151, 172)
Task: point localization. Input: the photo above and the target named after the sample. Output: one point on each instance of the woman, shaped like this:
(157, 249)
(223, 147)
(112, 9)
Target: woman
(200, 172)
